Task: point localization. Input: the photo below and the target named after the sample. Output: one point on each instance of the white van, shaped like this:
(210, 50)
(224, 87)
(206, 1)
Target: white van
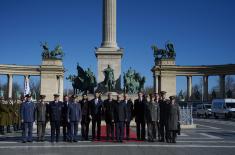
(223, 108)
(203, 110)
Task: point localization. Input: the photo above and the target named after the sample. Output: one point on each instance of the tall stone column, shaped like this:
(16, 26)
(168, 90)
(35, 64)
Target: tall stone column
(10, 84)
(189, 87)
(205, 88)
(109, 53)
(109, 24)
(222, 86)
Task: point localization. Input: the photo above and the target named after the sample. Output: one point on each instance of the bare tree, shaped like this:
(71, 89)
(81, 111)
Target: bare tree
(68, 91)
(229, 86)
(148, 90)
(229, 83)
(16, 89)
(182, 95)
(196, 92)
(35, 88)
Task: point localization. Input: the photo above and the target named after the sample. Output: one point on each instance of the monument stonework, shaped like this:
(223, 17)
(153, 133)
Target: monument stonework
(109, 54)
(52, 78)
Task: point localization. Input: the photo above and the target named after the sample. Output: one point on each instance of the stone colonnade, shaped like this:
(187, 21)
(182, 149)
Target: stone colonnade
(165, 73)
(51, 74)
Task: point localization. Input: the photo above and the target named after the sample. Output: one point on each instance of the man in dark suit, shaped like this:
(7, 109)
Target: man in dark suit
(64, 121)
(108, 114)
(86, 116)
(54, 110)
(27, 113)
(74, 117)
(163, 104)
(96, 113)
(156, 99)
(120, 115)
(130, 109)
(139, 111)
(152, 117)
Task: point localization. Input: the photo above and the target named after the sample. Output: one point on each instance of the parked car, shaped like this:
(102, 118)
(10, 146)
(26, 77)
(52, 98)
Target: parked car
(203, 110)
(224, 108)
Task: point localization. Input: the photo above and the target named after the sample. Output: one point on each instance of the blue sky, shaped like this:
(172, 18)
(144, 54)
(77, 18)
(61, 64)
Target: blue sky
(202, 31)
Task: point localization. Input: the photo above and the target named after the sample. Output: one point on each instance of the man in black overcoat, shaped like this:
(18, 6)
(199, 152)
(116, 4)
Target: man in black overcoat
(164, 110)
(139, 111)
(55, 110)
(108, 107)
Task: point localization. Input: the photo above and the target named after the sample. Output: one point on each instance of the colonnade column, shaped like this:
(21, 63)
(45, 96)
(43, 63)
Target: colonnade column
(60, 86)
(155, 83)
(222, 86)
(189, 87)
(10, 84)
(205, 88)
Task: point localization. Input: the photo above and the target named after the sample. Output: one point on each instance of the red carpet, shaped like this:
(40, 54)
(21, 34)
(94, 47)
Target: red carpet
(103, 135)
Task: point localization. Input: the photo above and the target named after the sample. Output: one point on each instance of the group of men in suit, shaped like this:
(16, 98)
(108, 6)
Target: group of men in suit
(154, 110)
